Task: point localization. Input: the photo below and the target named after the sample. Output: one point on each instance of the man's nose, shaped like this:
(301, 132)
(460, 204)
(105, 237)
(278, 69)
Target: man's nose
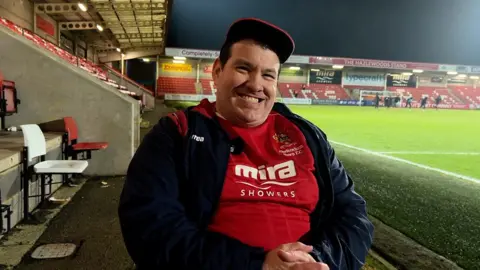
(255, 81)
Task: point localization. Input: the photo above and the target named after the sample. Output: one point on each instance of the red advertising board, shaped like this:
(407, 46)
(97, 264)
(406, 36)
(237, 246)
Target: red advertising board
(45, 26)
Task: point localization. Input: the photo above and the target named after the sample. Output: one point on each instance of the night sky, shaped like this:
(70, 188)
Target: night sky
(436, 31)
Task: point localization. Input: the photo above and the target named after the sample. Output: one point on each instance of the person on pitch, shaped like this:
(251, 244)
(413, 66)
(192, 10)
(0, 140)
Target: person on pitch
(243, 182)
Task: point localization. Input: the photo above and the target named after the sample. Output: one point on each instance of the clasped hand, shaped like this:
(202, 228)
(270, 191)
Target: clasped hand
(292, 256)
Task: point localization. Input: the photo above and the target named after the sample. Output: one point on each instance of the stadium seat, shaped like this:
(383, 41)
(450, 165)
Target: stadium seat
(329, 91)
(75, 148)
(79, 62)
(71, 148)
(176, 85)
(208, 87)
(8, 100)
(468, 94)
(34, 147)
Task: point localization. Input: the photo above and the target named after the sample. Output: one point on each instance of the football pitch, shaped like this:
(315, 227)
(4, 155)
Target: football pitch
(418, 170)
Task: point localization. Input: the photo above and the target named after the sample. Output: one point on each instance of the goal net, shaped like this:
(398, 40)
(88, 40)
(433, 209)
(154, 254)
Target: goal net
(369, 95)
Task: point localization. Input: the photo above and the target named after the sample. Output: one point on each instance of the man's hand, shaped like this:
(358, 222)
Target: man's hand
(292, 256)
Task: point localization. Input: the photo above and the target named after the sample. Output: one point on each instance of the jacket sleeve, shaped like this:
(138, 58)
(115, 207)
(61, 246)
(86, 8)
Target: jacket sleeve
(345, 239)
(155, 228)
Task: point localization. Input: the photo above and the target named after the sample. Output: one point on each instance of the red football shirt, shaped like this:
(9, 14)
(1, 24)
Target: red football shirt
(269, 189)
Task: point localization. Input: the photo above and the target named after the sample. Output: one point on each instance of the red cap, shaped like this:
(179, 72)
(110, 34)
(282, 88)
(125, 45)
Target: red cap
(277, 39)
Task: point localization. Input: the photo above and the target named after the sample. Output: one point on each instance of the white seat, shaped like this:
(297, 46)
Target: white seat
(61, 166)
(34, 140)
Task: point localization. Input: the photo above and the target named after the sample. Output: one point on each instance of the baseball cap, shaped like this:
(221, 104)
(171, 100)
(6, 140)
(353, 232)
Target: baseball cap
(277, 39)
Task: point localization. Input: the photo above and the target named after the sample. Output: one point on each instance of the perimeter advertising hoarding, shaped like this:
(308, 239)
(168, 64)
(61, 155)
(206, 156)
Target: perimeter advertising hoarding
(402, 81)
(363, 78)
(326, 76)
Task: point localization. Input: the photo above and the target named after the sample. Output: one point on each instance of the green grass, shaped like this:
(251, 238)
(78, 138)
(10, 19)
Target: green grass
(438, 211)
(399, 130)
(373, 264)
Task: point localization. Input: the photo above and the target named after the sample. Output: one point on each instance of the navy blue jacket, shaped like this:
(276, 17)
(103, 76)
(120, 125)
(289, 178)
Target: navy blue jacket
(174, 183)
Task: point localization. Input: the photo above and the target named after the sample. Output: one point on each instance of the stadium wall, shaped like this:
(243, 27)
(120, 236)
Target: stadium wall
(20, 12)
(50, 88)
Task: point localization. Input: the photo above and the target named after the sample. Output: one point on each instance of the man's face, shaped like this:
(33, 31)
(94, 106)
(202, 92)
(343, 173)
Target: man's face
(247, 84)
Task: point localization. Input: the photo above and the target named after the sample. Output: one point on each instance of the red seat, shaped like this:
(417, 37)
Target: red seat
(73, 147)
(90, 146)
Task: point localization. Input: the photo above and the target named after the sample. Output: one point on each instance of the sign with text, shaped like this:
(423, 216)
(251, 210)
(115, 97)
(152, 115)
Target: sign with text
(457, 80)
(208, 54)
(402, 81)
(363, 78)
(173, 67)
(475, 69)
(324, 101)
(185, 97)
(372, 63)
(298, 101)
(326, 76)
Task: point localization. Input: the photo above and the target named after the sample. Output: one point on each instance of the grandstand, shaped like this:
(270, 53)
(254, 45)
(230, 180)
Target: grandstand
(451, 95)
(118, 82)
(188, 78)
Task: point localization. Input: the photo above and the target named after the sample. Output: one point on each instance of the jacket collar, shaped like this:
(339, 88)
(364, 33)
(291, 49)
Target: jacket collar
(207, 109)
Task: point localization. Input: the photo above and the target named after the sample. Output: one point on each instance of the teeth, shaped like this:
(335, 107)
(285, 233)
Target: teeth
(250, 99)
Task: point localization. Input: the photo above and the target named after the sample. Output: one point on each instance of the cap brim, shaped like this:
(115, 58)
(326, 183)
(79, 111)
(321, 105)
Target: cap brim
(277, 39)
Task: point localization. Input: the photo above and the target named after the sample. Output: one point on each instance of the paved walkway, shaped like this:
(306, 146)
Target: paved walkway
(90, 220)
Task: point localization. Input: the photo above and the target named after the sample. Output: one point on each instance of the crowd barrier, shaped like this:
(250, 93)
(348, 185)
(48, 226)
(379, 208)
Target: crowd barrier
(307, 101)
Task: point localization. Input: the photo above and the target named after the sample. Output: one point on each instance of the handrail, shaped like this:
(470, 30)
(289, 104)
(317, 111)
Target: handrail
(125, 77)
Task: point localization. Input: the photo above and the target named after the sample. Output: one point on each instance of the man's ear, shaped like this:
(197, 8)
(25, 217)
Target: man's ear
(216, 69)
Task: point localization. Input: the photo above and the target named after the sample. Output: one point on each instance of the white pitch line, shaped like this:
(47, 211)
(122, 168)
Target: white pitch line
(464, 177)
(430, 153)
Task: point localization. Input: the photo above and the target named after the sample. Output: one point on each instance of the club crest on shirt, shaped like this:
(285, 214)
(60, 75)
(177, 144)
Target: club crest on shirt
(282, 138)
(288, 147)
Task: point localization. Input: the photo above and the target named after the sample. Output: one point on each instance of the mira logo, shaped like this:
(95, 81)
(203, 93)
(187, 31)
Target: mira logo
(267, 174)
(283, 171)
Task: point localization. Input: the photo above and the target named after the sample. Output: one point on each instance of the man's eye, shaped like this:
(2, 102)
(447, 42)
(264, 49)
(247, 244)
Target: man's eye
(269, 76)
(242, 68)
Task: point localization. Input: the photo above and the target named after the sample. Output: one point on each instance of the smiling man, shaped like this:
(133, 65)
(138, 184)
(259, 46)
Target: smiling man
(242, 183)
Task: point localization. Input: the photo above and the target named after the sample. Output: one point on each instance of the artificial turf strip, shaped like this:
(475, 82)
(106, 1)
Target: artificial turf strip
(439, 212)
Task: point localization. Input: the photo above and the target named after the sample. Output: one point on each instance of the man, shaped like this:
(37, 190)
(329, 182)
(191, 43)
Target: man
(397, 101)
(242, 183)
(409, 102)
(377, 100)
(423, 103)
(437, 101)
